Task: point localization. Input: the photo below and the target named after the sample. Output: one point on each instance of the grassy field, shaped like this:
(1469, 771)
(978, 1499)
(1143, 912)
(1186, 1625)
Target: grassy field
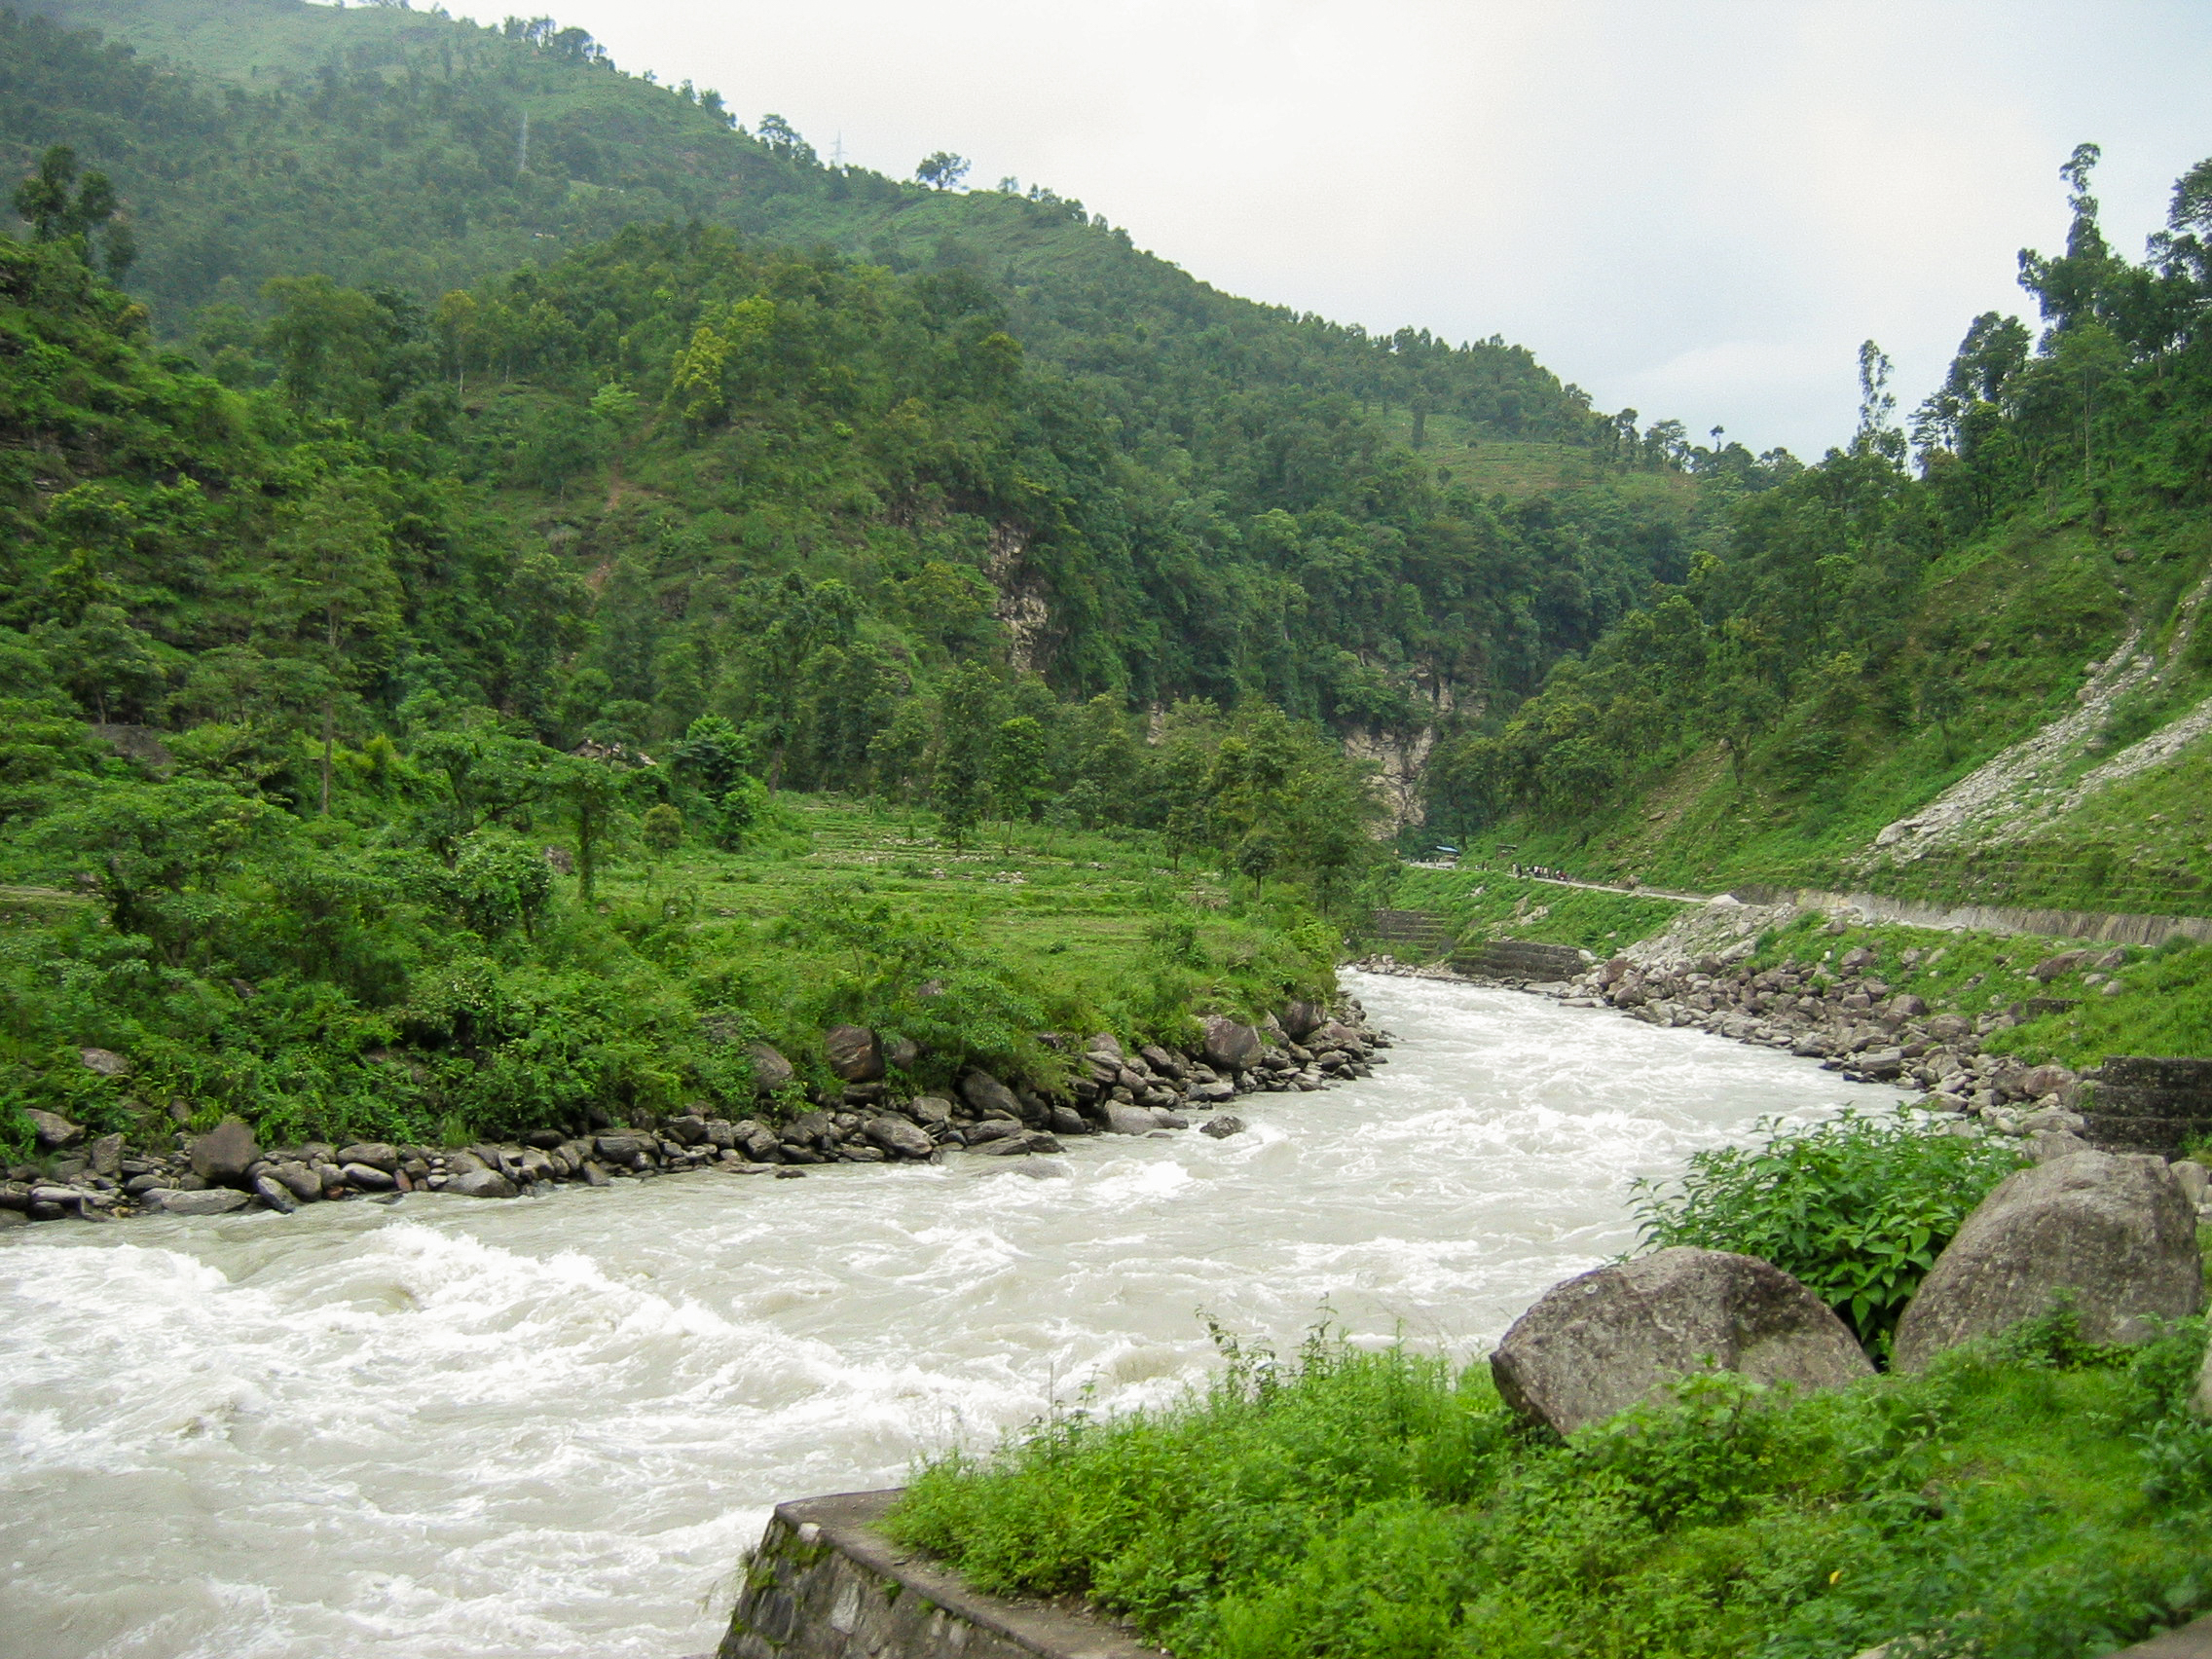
(1516, 468)
(1481, 903)
(847, 910)
(643, 999)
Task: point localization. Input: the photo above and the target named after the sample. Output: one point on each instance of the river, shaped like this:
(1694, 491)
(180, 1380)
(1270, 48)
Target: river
(457, 1429)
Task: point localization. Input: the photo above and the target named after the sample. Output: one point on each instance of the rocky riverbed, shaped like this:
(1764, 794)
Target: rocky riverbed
(866, 1119)
(1838, 1012)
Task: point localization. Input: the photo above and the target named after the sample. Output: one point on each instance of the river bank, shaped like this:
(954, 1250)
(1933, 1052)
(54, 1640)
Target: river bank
(455, 1430)
(1970, 1025)
(869, 1119)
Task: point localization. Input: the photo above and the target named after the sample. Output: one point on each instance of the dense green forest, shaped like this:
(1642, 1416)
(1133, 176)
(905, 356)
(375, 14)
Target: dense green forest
(487, 451)
(380, 593)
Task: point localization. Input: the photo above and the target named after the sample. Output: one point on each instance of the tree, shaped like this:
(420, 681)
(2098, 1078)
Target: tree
(103, 660)
(711, 756)
(1877, 405)
(968, 708)
(335, 560)
(150, 841)
(782, 140)
(58, 208)
(739, 809)
(662, 829)
(941, 169)
(591, 793)
(476, 773)
(1020, 773)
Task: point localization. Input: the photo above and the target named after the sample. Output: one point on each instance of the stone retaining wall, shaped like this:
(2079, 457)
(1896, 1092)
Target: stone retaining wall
(824, 1584)
(2135, 1104)
(2098, 925)
(1520, 959)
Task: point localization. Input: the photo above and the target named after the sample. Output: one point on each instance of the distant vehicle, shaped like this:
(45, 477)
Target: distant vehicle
(1447, 852)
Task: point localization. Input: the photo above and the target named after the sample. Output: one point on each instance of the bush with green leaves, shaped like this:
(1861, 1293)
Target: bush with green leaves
(1857, 1206)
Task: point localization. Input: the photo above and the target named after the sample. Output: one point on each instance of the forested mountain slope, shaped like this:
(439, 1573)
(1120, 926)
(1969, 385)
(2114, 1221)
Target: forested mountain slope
(388, 147)
(1980, 672)
(1275, 524)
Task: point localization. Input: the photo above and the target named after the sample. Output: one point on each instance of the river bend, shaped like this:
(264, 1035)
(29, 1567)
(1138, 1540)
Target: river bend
(461, 1429)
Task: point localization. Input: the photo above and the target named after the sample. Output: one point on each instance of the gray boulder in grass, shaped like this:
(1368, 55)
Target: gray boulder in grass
(2112, 1233)
(1599, 1343)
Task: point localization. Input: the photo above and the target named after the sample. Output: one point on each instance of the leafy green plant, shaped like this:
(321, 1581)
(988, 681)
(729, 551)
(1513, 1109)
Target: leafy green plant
(1858, 1207)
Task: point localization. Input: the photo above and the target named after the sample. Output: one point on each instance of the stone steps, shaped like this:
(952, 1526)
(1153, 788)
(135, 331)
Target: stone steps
(1417, 935)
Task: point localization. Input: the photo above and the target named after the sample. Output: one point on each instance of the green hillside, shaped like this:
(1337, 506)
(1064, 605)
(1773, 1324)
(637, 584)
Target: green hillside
(385, 146)
(1977, 673)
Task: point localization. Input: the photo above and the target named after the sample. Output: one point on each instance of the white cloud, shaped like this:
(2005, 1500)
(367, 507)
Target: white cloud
(1699, 209)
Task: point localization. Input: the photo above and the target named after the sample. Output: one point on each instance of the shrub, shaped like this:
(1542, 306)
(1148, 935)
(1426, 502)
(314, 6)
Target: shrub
(1858, 1207)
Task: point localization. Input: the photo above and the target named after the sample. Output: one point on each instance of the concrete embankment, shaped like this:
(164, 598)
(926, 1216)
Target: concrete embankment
(825, 1584)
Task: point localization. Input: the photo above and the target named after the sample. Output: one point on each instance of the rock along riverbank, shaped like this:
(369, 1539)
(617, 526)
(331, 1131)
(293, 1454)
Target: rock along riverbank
(1837, 1009)
(1151, 1090)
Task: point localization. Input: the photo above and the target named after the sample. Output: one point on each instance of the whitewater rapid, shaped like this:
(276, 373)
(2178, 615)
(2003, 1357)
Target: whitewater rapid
(460, 1430)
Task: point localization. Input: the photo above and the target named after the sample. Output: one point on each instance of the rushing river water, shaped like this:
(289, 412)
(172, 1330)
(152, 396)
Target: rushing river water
(453, 1428)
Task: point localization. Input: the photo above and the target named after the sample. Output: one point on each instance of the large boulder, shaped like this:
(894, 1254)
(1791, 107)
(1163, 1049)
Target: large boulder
(1298, 1019)
(225, 1153)
(211, 1200)
(897, 1137)
(1123, 1120)
(53, 1130)
(770, 1070)
(2112, 1233)
(758, 1143)
(854, 1052)
(1599, 1343)
(989, 1097)
(481, 1184)
(1335, 1034)
(1231, 1047)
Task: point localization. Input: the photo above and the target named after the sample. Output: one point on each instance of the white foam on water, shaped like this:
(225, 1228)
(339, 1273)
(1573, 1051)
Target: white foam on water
(452, 1429)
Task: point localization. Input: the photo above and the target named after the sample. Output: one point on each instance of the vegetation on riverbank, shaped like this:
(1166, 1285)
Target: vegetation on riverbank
(438, 1005)
(1493, 904)
(2163, 1005)
(1857, 1208)
(2029, 1499)
(2098, 1000)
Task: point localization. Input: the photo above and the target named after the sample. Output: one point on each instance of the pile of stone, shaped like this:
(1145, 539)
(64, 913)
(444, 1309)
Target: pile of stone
(865, 1119)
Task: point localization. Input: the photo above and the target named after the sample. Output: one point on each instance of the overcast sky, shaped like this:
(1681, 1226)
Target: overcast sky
(1697, 210)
